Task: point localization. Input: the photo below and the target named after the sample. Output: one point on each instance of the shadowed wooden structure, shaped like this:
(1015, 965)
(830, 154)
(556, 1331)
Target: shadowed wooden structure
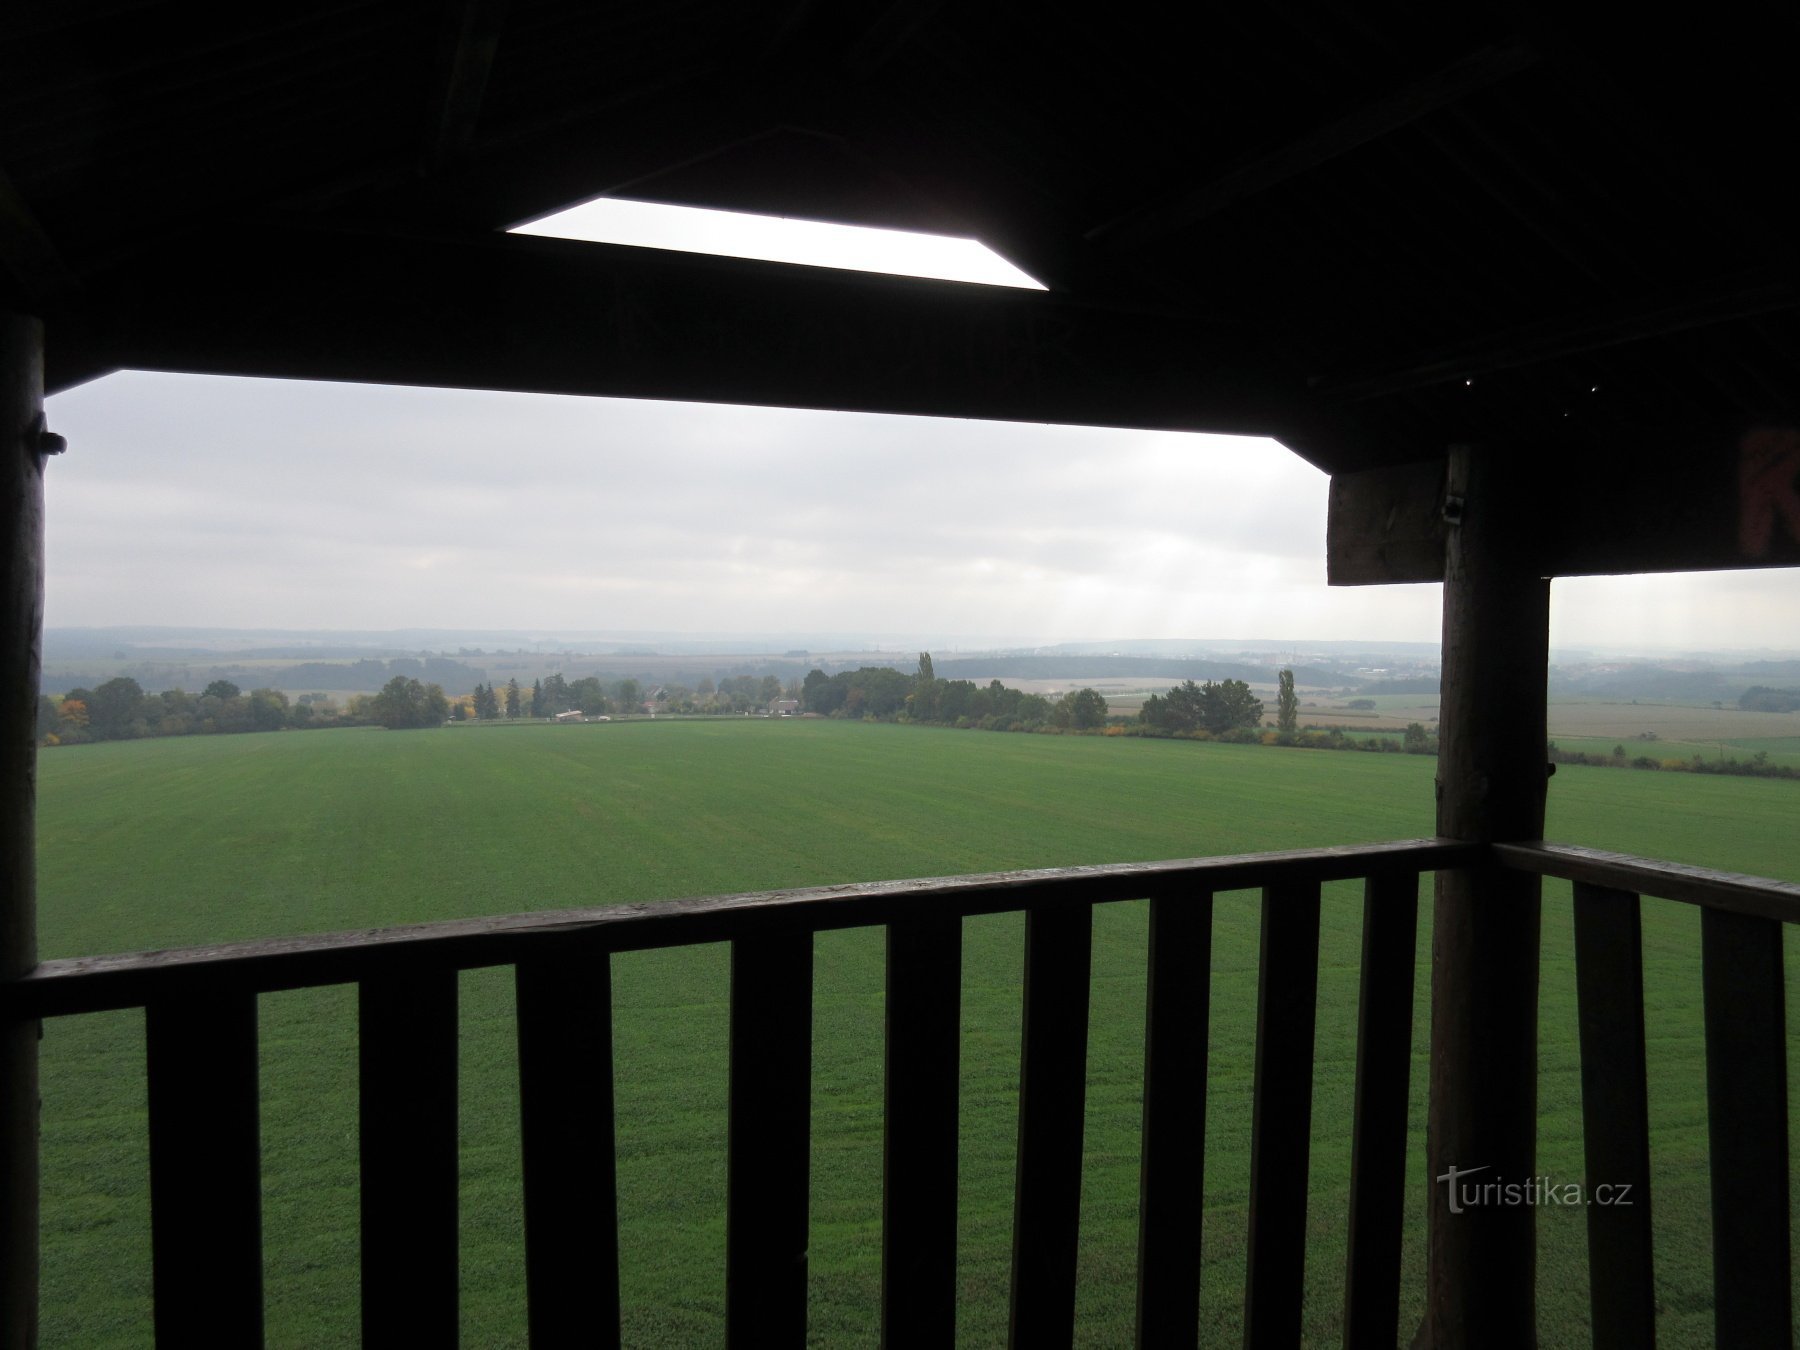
(1521, 281)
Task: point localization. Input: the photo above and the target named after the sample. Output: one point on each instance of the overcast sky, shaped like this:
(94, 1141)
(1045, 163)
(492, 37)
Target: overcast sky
(196, 501)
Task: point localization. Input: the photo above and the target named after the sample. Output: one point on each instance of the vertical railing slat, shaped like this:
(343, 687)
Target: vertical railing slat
(1281, 1124)
(205, 1170)
(1172, 1180)
(918, 1218)
(1615, 1112)
(407, 1025)
(1384, 1026)
(1052, 1098)
(568, 1149)
(770, 1141)
(1746, 1107)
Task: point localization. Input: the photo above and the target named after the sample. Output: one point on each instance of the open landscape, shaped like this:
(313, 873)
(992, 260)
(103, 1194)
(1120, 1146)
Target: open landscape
(201, 839)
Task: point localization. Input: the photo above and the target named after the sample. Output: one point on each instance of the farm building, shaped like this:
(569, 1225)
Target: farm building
(1521, 281)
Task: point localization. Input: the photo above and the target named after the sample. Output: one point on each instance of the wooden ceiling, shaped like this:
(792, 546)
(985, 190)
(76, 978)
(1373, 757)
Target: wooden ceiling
(1371, 231)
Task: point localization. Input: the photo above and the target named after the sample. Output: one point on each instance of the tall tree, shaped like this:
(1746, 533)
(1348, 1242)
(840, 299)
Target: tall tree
(925, 691)
(513, 702)
(1287, 708)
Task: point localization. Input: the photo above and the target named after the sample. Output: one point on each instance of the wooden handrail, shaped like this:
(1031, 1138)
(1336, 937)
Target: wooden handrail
(1733, 891)
(100, 983)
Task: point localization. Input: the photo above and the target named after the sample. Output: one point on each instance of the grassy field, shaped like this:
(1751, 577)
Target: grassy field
(172, 842)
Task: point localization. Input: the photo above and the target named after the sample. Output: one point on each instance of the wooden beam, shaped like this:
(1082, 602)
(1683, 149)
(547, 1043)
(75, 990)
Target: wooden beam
(27, 253)
(466, 60)
(1386, 525)
(561, 317)
(1481, 1263)
(1674, 310)
(1338, 137)
(21, 635)
(886, 35)
(1727, 499)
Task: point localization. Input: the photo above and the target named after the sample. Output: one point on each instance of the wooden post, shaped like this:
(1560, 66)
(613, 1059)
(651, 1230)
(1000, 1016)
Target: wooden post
(21, 629)
(1481, 1264)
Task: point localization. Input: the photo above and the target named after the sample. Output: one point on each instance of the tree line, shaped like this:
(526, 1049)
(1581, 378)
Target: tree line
(592, 697)
(881, 693)
(119, 709)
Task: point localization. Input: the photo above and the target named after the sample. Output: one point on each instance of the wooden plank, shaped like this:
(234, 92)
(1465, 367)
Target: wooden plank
(1398, 108)
(1733, 892)
(1746, 1110)
(1281, 1121)
(1681, 499)
(407, 1025)
(1386, 525)
(30, 256)
(1052, 1097)
(1615, 1113)
(1670, 310)
(1172, 1180)
(1481, 1261)
(21, 645)
(767, 1196)
(1378, 1181)
(205, 1171)
(1717, 497)
(95, 983)
(557, 316)
(465, 60)
(919, 1130)
(568, 1149)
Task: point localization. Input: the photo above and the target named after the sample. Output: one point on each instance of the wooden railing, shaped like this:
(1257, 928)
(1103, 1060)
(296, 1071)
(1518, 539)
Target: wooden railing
(1741, 922)
(201, 1037)
(205, 1170)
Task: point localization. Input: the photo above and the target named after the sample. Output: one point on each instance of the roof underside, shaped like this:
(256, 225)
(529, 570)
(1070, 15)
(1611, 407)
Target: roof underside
(1371, 233)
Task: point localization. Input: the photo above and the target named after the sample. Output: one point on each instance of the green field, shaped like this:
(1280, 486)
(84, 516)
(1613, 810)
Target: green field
(182, 841)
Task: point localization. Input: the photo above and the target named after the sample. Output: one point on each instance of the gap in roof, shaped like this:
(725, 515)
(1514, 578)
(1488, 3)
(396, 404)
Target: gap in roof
(732, 234)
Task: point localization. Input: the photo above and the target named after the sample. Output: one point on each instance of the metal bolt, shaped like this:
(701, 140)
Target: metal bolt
(41, 440)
